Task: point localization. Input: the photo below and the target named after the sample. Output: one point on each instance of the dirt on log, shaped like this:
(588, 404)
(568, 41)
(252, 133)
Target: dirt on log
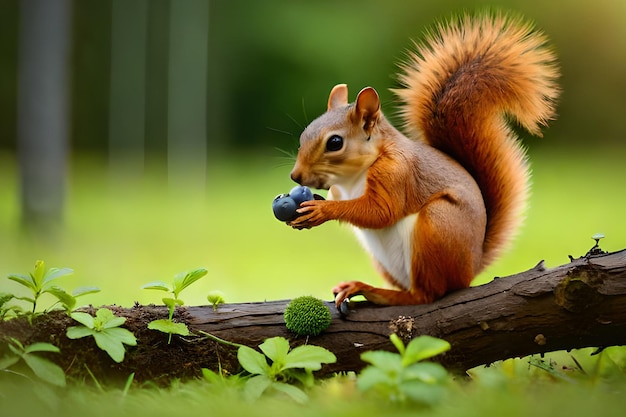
(580, 304)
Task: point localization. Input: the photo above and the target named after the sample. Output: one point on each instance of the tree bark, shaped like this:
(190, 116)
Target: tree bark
(580, 304)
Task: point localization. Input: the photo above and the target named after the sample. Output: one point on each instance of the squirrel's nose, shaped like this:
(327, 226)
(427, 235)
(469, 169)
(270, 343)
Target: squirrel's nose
(296, 174)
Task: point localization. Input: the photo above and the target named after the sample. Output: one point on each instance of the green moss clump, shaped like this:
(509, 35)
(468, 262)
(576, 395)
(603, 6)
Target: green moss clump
(307, 316)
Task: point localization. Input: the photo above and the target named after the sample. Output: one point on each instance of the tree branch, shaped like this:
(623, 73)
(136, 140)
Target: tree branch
(579, 304)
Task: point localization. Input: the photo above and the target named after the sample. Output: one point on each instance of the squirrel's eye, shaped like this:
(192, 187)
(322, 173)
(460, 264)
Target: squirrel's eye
(334, 143)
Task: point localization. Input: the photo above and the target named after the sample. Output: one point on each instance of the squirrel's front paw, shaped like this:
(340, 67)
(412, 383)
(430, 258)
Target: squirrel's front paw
(344, 290)
(310, 214)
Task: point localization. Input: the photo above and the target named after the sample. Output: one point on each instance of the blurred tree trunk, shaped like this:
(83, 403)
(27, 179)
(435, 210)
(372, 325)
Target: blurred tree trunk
(43, 110)
(187, 93)
(128, 88)
(157, 57)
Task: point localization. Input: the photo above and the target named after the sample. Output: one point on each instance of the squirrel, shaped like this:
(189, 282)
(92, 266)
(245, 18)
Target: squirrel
(435, 209)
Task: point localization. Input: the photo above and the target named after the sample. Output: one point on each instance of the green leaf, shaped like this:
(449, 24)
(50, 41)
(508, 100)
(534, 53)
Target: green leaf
(38, 274)
(171, 303)
(68, 300)
(103, 315)
(215, 298)
(26, 281)
(177, 283)
(16, 346)
(106, 319)
(8, 360)
(156, 285)
(183, 281)
(252, 361)
(276, 349)
(41, 347)
(112, 341)
(28, 299)
(123, 335)
(46, 370)
(54, 273)
(17, 349)
(371, 377)
(424, 347)
(304, 376)
(111, 345)
(127, 385)
(5, 298)
(80, 291)
(427, 372)
(83, 318)
(386, 361)
(16, 310)
(419, 392)
(293, 392)
(170, 327)
(309, 357)
(397, 342)
(210, 376)
(76, 332)
(114, 322)
(256, 386)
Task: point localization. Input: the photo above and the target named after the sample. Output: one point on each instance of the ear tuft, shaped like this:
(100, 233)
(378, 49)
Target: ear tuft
(368, 108)
(338, 96)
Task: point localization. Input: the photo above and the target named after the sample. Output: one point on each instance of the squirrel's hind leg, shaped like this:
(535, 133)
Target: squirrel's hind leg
(449, 236)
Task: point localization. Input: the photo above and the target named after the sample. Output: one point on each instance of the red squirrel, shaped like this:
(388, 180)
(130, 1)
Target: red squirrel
(433, 208)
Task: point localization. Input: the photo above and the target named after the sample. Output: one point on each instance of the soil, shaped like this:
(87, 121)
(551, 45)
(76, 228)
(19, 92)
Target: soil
(153, 359)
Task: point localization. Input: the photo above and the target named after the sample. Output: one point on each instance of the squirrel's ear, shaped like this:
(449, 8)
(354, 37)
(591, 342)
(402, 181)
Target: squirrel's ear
(368, 108)
(338, 96)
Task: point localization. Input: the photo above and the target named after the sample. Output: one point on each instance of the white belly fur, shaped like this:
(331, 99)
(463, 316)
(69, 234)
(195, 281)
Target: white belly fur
(392, 247)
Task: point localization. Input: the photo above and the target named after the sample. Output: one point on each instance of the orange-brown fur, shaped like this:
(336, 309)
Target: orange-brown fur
(434, 210)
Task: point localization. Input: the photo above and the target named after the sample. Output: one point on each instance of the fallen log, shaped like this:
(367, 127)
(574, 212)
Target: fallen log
(576, 305)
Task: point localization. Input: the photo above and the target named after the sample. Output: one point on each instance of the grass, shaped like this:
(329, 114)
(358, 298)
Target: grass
(123, 231)
(510, 388)
(120, 236)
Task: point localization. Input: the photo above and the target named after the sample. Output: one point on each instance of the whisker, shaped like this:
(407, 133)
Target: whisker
(306, 117)
(287, 154)
(282, 164)
(284, 132)
(295, 121)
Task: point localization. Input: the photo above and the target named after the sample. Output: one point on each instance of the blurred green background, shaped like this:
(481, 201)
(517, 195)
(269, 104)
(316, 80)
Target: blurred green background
(260, 71)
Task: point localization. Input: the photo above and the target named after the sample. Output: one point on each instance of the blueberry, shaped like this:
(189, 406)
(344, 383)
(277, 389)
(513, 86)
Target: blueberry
(301, 194)
(284, 208)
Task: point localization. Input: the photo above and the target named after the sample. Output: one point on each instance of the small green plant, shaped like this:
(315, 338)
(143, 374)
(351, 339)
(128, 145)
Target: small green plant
(105, 329)
(215, 298)
(222, 379)
(41, 367)
(405, 376)
(286, 367)
(307, 316)
(181, 281)
(7, 309)
(40, 282)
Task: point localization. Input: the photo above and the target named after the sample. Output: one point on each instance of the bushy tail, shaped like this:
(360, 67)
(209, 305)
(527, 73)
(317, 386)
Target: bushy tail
(461, 85)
